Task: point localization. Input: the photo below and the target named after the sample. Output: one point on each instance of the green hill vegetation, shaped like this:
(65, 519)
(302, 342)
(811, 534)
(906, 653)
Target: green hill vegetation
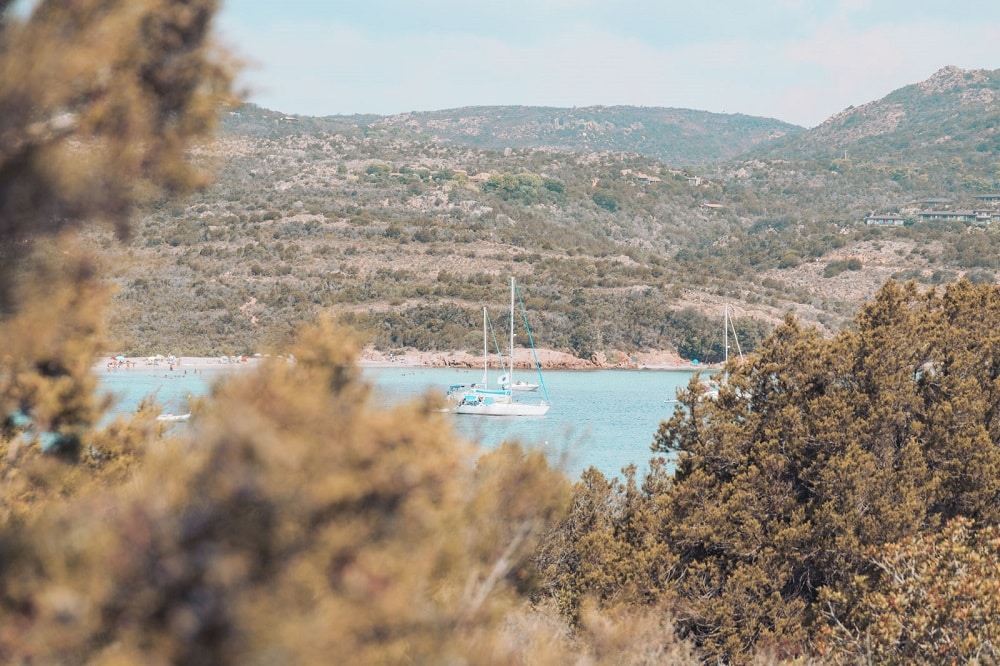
(391, 226)
(837, 502)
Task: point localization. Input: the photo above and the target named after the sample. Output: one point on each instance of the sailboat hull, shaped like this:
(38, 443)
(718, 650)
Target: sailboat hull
(476, 405)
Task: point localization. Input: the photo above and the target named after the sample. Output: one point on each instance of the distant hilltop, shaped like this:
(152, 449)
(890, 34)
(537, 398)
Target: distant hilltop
(677, 136)
(904, 125)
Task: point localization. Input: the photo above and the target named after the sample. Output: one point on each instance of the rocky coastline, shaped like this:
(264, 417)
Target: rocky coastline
(523, 358)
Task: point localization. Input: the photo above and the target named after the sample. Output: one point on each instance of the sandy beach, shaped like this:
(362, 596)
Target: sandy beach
(115, 361)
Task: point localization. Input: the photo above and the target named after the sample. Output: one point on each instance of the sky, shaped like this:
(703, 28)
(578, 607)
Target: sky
(799, 61)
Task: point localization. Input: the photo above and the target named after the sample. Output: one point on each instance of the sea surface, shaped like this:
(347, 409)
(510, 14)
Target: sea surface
(601, 418)
(598, 418)
(171, 389)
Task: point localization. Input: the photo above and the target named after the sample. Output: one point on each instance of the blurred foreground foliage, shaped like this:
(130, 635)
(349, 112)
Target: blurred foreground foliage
(99, 101)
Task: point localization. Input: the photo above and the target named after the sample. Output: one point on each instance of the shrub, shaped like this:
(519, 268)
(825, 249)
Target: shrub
(836, 267)
(932, 596)
(789, 259)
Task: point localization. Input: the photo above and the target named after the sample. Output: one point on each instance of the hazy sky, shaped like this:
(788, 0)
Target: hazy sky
(795, 60)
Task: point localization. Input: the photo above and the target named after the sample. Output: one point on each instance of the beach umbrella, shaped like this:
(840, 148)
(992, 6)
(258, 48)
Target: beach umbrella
(119, 358)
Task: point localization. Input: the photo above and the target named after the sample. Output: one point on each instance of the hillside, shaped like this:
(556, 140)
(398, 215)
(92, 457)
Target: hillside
(955, 114)
(407, 233)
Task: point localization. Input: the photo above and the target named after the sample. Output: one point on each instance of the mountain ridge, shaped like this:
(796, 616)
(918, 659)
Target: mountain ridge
(689, 137)
(670, 134)
(681, 136)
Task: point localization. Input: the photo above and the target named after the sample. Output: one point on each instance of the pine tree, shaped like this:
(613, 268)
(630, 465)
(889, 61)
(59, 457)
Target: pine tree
(817, 450)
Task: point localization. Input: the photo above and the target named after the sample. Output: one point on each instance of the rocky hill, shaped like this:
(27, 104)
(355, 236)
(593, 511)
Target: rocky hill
(953, 114)
(405, 231)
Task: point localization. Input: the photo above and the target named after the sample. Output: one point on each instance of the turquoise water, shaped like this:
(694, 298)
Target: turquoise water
(169, 388)
(602, 418)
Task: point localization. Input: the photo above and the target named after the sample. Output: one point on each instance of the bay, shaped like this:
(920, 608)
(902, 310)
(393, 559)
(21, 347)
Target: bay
(605, 419)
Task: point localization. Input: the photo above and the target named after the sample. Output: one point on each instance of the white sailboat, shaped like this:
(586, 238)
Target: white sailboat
(456, 392)
(171, 418)
(712, 384)
(728, 324)
(503, 381)
(481, 404)
(716, 382)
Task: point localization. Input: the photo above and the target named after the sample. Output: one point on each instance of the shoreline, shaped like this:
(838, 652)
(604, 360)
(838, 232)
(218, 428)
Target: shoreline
(114, 362)
(524, 359)
(372, 358)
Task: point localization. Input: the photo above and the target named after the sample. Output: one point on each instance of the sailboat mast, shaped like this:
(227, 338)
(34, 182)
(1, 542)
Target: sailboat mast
(510, 375)
(725, 325)
(485, 365)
